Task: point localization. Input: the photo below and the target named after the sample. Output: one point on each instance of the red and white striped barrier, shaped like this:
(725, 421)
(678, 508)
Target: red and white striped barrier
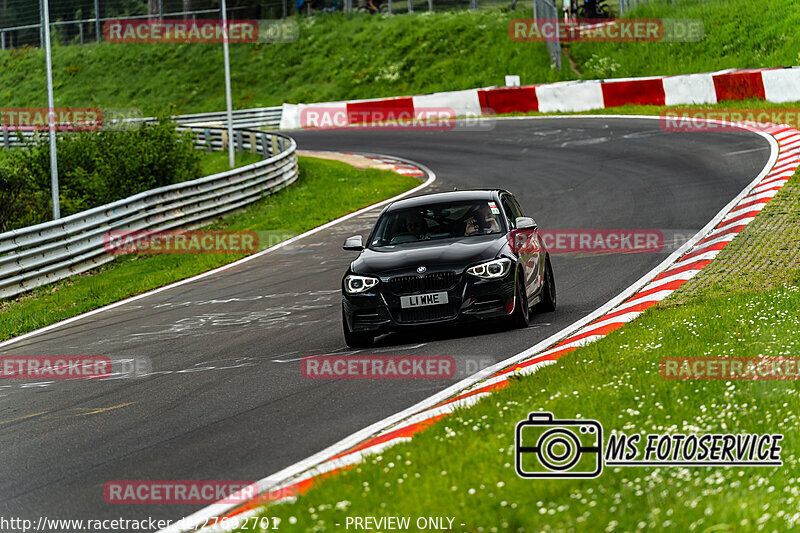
(776, 85)
(660, 284)
(771, 85)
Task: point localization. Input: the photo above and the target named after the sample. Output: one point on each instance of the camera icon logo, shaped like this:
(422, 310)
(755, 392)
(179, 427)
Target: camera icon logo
(547, 448)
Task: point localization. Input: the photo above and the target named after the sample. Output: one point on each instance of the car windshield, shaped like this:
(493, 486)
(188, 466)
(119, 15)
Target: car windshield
(438, 221)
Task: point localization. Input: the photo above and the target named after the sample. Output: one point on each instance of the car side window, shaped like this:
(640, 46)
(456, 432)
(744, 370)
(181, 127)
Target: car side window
(511, 211)
(519, 208)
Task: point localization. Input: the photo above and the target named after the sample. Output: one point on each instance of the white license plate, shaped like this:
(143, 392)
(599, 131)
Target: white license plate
(421, 300)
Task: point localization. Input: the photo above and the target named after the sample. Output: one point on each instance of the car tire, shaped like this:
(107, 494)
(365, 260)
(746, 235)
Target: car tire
(521, 316)
(356, 339)
(548, 302)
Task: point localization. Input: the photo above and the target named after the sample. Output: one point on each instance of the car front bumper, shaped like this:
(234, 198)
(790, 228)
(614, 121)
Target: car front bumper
(469, 298)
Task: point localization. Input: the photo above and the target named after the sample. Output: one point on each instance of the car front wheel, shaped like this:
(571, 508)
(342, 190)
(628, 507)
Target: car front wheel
(548, 301)
(521, 316)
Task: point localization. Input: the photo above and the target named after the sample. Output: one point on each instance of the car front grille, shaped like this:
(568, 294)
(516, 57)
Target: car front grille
(426, 314)
(435, 281)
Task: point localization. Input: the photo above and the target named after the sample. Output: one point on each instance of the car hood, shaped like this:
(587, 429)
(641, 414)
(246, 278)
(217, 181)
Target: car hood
(447, 254)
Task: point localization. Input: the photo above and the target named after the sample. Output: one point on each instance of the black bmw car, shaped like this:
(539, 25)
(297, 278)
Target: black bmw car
(446, 258)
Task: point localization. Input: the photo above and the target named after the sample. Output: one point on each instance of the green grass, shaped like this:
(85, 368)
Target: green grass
(340, 57)
(336, 57)
(463, 466)
(216, 162)
(738, 34)
(325, 191)
(744, 304)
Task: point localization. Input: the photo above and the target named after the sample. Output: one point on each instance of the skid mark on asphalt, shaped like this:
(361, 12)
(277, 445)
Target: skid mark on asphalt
(585, 142)
(204, 366)
(644, 134)
(86, 411)
(71, 413)
(760, 149)
(22, 418)
(320, 295)
(201, 324)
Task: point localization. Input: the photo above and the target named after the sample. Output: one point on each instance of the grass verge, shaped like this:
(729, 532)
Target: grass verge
(325, 190)
(216, 162)
(744, 304)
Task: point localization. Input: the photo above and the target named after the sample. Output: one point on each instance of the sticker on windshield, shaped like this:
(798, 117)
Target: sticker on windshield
(494, 209)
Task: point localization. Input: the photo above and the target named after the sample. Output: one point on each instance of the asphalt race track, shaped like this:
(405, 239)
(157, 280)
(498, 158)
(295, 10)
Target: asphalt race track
(228, 401)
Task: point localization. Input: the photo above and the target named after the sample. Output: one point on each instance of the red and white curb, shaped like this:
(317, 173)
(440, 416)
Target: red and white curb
(776, 85)
(401, 167)
(656, 285)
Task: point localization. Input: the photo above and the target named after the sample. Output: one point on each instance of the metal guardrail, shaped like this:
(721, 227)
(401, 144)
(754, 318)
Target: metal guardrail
(259, 117)
(37, 255)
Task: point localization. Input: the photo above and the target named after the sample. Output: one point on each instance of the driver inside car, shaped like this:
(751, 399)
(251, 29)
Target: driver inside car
(482, 222)
(416, 225)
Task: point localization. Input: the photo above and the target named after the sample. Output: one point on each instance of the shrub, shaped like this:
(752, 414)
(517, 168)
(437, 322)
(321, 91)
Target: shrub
(94, 168)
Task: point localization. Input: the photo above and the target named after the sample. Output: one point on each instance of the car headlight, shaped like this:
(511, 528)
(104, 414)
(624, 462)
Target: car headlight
(497, 268)
(355, 284)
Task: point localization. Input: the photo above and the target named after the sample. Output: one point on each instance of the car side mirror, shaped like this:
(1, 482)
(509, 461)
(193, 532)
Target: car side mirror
(354, 244)
(525, 223)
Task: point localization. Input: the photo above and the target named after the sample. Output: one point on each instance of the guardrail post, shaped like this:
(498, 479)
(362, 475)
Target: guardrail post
(430, 5)
(239, 146)
(6, 141)
(97, 20)
(80, 31)
(390, 7)
(264, 147)
(2, 40)
(253, 147)
(275, 149)
(473, 5)
(410, 6)
(208, 140)
(224, 136)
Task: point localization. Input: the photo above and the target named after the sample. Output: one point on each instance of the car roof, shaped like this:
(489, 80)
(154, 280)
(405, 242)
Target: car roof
(451, 196)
